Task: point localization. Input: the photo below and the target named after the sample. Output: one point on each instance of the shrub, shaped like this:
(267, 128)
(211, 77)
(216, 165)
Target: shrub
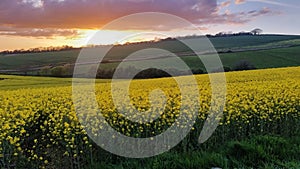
(244, 65)
(223, 69)
(57, 71)
(197, 71)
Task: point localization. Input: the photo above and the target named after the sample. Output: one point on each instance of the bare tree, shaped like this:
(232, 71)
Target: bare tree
(256, 31)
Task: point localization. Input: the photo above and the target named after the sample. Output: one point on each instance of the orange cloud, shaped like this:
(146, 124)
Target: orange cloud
(225, 4)
(239, 1)
(42, 33)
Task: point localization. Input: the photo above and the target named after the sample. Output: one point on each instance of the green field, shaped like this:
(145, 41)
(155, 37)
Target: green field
(11, 82)
(261, 59)
(259, 50)
(272, 58)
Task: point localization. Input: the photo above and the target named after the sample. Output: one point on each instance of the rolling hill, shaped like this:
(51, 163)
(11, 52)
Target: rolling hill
(264, 51)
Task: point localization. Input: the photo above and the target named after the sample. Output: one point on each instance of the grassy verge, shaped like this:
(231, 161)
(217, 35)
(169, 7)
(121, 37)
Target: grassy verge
(259, 152)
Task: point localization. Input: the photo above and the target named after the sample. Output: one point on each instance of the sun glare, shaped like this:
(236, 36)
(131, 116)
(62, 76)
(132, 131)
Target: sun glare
(84, 37)
(106, 37)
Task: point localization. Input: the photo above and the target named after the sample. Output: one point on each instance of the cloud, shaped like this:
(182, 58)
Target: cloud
(225, 4)
(94, 13)
(237, 18)
(274, 3)
(61, 17)
(39, 33)
(239, 1)
(270, 2)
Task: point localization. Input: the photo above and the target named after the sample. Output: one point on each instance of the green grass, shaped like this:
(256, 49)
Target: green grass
(16, 82)
(258, 152)
(243, 41)
(273, 58)
(266, 58)
(10, 82)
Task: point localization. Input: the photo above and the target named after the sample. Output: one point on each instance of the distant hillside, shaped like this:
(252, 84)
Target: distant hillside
(264, 51)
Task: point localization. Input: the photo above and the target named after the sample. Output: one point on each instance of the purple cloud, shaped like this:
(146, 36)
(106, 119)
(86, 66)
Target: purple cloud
(53, 15)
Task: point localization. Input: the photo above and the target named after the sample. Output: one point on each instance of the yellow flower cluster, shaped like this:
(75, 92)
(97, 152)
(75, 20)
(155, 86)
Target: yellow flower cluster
(40, 123)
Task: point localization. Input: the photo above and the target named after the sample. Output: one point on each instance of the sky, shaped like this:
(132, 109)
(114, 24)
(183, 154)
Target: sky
(28, 24)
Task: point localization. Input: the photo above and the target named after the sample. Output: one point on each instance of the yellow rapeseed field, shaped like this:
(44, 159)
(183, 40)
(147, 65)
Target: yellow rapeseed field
(40, 125)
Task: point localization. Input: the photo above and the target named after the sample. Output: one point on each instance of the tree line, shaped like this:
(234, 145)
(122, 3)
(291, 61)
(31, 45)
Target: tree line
(39, 50)
(254, 32)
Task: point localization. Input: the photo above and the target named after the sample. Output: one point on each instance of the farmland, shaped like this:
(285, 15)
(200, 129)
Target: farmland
(260, 127)
(265, 51)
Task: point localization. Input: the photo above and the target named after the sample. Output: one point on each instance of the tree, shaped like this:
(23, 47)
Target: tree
(58, 71)
(243, 65)
(256, 31)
